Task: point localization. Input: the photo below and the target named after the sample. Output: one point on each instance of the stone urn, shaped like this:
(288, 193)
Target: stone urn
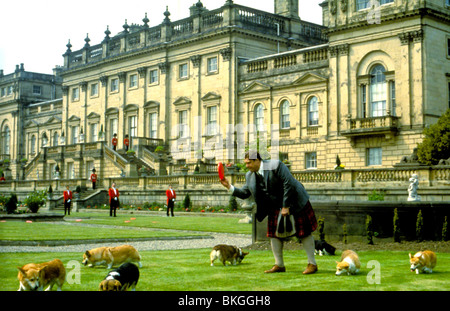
(247, 206)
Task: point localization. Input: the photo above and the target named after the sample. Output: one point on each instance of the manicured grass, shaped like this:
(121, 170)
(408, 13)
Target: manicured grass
(194, 223)
(189, 270)
(40, 231)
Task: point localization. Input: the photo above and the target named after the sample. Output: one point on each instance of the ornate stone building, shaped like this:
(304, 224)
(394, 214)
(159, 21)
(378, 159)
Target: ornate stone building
(362, 87)
(30, 110)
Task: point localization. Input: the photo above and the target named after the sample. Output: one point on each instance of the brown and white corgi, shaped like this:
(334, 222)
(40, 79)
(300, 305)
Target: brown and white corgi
(34, 276)
(349, 263)
(224, 253)
(110, 256)
(121, 279)
(423, 262)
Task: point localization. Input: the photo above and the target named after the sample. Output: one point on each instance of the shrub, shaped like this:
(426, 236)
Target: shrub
(419, 226)
(445, 230)
(376, 195)
(233, 203)
(369, 230)
(436, 144)
(11, 204)
(187, 202)
(344, 233)
(396, 227)
(35, 200)
(320, 228)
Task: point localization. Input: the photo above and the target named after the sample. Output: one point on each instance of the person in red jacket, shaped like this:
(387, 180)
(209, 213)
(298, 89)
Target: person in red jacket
(126, 142)
(114, 141)
(67, 200)
(113, 199)
(93, 178)
(171, 196)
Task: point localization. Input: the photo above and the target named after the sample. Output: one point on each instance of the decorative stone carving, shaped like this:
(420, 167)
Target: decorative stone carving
(412, 189)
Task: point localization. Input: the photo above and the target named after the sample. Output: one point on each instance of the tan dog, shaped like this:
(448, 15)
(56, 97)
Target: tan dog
(38, 276)
(225, 253)
(110, 256)
(349, 263)
(423, 262)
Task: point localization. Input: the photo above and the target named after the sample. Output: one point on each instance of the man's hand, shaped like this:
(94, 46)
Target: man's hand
(225, 183)
(285, 211)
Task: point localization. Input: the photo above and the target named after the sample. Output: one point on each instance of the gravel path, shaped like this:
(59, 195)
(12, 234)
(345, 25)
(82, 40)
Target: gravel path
(209, 241)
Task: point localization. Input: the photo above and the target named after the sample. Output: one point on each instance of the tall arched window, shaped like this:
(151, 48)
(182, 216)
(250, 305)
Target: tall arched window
(284, 115)
(6, 140)
(378, 92)
(313, 111)
(55, 139)
(259, 117)
(33, 145)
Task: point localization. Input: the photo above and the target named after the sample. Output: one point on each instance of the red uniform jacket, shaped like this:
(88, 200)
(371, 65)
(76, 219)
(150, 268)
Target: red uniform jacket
(114, 141)
(112, 194)
(126, 142)
(170, 196)
(93, 177)
(67, 196)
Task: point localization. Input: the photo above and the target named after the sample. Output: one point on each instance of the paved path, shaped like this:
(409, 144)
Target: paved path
(213, 238)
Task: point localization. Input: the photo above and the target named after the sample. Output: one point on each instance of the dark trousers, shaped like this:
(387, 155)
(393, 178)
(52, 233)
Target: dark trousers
(93, 185)
(66, 207)
(113, 206)
(170, 207)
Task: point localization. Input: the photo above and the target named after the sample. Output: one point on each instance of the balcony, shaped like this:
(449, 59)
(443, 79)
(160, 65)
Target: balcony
(384, 125)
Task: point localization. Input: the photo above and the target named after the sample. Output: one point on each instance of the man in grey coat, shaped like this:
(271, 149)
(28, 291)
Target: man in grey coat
(276, 191)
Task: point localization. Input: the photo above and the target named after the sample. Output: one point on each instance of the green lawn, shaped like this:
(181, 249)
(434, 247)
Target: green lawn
(194, 223)
(189, 270)
(41, 231)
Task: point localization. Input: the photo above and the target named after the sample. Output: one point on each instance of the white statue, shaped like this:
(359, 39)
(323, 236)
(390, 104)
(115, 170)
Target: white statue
(412, 189)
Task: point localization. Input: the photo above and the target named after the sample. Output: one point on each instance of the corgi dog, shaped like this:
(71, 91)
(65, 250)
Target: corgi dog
(224, 253)
(422, 262)
(110, 256)
(35, 277)
(323, 248)
(349, 263)
(121, 279)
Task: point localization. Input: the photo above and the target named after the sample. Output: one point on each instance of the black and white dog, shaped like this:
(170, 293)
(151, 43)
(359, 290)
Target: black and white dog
(121, 279)
(323, 248)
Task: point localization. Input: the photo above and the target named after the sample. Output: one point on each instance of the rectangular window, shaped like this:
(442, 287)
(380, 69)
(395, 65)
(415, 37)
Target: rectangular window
(364, 101)
(75, 131)
(114, 85)
(153, 125)
(311, 160)
(212, 64)
(94, 132)
(374, 156)
(75, 94)
(182, 122)
(448, 94)
(37, 90)
(132, 126)
(211, 127)
(183, 71)
(448, 46)
(3, 92)
(133, 81)
(94, 89)
(154, 76)
(9, 90)
(114, 127)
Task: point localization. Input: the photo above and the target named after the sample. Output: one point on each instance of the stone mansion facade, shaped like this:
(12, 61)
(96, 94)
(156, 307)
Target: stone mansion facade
(362, 86)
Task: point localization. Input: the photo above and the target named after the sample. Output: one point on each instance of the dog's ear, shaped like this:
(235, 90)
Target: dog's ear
(87, 254)
(337, 262)
(101, 287)
(117, 285)
(245, 254)
(22, 271)
(410, 256)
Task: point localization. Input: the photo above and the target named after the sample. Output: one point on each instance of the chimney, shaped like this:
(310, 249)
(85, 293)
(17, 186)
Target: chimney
(288, 8)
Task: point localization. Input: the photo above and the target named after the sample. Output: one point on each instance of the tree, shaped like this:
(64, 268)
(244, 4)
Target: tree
(436, 144)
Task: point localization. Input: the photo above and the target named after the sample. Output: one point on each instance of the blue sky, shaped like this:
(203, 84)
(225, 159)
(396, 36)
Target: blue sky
(35, 32)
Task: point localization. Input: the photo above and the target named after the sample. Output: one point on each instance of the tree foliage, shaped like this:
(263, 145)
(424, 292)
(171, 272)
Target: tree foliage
(436, 144)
